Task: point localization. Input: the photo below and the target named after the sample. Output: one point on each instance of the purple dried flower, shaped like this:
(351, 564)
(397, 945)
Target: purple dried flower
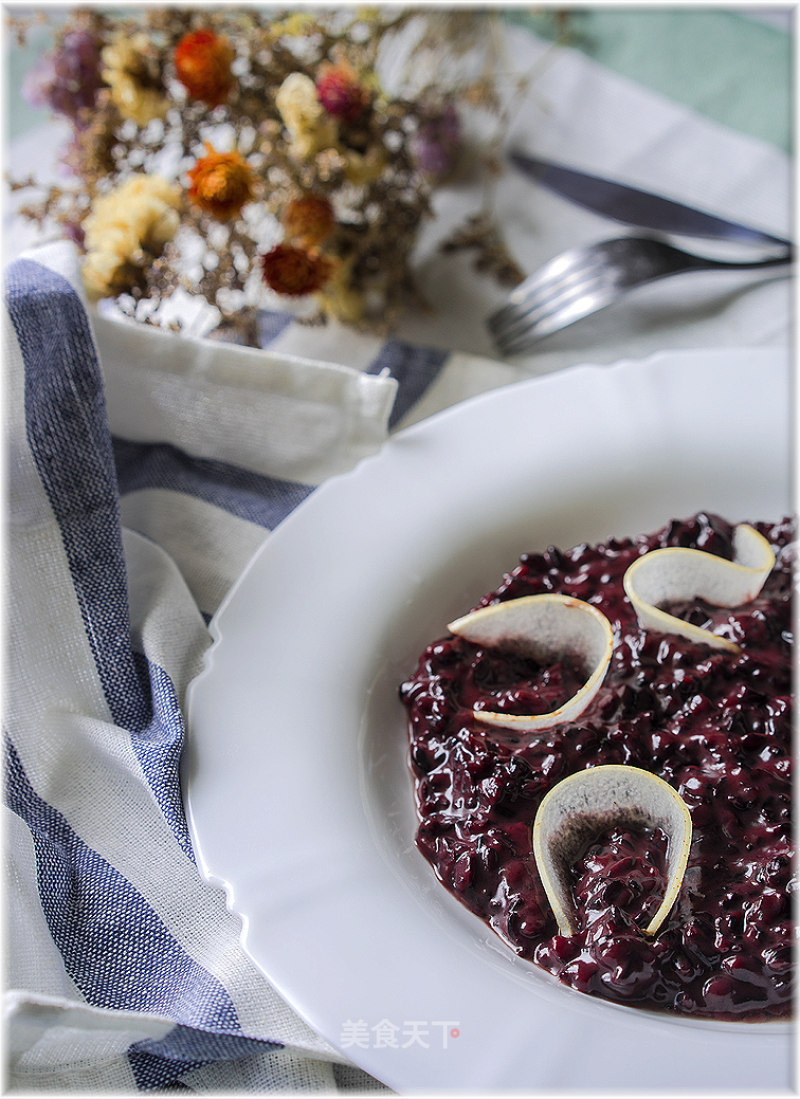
(75, 232)
(435, 143)
(67, 79)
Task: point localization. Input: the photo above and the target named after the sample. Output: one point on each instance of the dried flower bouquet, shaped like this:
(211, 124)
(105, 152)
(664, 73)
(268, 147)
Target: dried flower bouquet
(258, 159)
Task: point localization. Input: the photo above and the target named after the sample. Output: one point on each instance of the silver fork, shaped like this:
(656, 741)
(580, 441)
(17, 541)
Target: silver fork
(584, 280)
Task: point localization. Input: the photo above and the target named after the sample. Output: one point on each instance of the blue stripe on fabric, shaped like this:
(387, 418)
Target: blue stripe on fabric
(415, 368)
(270, 325)
(158, 746)
(68, 437)
(114, 946)
(157, 1063)
(265, 501)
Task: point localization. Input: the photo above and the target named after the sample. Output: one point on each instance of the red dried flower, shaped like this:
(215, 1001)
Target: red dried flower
(222, 183)
(340, 91)
(295, 271)
(203, 65)
(308, 219)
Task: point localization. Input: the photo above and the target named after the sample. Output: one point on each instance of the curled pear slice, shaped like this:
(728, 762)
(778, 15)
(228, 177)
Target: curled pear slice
(581, 806)
(678, 573)
(547, 628)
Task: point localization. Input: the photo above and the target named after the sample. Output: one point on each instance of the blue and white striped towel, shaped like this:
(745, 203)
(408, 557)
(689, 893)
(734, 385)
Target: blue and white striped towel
(143, 471)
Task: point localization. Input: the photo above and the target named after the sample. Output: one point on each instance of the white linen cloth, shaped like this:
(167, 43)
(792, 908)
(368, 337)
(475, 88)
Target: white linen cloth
(143, 473)
(124, 966)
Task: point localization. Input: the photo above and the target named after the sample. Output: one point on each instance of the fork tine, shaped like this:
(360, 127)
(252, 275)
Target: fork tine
(558, 275)
(551, 273)
(555, 301)
(512, 343)
(549, 296)
(555, 304)
(547, 321)
(561, 314)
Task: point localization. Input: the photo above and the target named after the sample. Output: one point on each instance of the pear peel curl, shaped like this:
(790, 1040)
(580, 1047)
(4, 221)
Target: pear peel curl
(679, 573)
(580, 806)
(547, 627)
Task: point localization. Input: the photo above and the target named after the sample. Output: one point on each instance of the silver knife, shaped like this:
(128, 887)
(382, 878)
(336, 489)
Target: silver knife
(625, 204)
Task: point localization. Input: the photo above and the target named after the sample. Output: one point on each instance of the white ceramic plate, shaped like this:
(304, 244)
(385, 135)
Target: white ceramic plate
(298, 793)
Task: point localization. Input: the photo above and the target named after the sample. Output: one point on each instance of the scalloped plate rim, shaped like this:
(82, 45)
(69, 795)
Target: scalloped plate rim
(213, 802)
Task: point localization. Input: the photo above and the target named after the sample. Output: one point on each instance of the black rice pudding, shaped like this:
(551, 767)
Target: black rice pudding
(715, 725)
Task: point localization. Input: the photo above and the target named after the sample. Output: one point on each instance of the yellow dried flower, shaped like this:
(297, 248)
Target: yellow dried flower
(134, 91)
(108, 273)
(126, 226)
(366, 167)
(298, 24)
(310, 127)
(338, 297)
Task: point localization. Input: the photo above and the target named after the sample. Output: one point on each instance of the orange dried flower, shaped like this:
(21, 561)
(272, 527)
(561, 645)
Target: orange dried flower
(203, 65)
(340, 92)
(308, 219)
(295, 271)
(222, 183)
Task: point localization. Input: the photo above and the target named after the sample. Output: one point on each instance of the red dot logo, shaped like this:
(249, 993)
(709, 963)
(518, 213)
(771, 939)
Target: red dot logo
(454, 1032)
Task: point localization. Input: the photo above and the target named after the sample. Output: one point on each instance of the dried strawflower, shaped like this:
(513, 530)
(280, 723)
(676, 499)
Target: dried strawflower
(126, 228)
(222, 183)
(295, 272)
(203, 62)
(67, 79)
(136, 88)
(310, 128)
(341, 92)
(308, 219)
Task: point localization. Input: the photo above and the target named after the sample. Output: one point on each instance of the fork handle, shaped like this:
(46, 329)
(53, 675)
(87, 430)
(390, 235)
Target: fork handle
(693, 262)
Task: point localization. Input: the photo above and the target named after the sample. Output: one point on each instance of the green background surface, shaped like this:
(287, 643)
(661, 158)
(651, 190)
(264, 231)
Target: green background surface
(726, 65)
(732, 68)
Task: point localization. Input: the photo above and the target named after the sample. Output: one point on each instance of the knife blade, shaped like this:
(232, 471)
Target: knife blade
(629, 205)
